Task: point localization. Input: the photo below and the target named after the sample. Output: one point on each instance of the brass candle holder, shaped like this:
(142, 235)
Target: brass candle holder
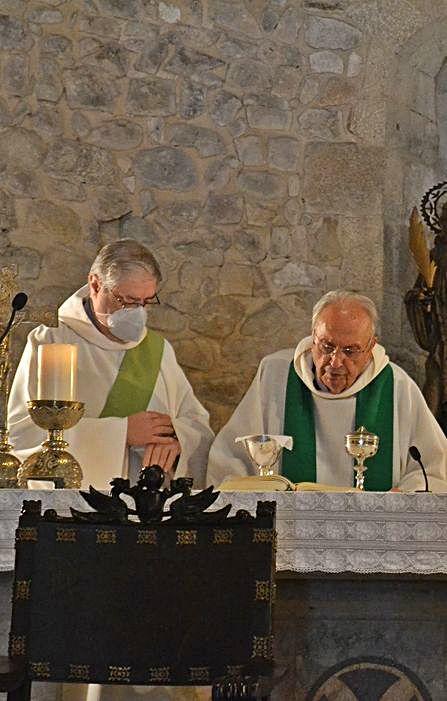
(9, 464)
(53, 462)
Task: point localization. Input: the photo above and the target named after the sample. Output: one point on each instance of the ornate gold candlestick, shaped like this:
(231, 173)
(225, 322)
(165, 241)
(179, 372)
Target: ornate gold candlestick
(361, 445)
(9, 464)
(53, 462)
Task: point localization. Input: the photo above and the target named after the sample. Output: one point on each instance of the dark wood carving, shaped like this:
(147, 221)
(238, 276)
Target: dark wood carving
(154, 595)
(426, 305)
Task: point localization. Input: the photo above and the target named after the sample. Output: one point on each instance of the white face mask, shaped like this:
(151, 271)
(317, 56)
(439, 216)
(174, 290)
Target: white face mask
(127, 324)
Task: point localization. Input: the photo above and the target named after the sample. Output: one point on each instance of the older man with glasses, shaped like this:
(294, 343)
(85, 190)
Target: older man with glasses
(139, 407)
(336, 380)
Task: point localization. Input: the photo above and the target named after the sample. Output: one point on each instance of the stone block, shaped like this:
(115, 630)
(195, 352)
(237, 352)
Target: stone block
(101, 26)
(206, 141)
(218, 317)
(250, 245)
(8, 219)
(15, 76)
(250, 75)
(180, 214)
(286, 81)
(329, 33)
(117, 134)
(192, 100)
(288, 26)
(66, 189)
(298, 275)
(250, 150)
(343, 178)
(80, 124)
(195, 353)
(217, 175)
(49, 225)
(57, 45)
(283, 153)
(110, 58)
(165, 168)
(127, 9)
(268, 112)
(68, 158)
(201, 254)
(90, 89)
(224, 107)
(109, 203)
(139, 229)
(21, 183)
(195, 66)
(354, 65)
(281, 242)
(49, 84)
(45, 15)
(262, 185)
(335, 90)
(151, 96)
(292, 210)
(13, 34)
(26, 260)
(154, 52)
(326, 62)
(258, 214)
(234, 15)
(21, 147)
(224, 209)
(268, 320)
(47, 122)
(321, 124)
(236, 280)
(323, 240)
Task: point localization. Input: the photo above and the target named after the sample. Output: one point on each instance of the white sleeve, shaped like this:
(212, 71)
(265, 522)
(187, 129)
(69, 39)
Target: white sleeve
(189, 418)
(418, 427)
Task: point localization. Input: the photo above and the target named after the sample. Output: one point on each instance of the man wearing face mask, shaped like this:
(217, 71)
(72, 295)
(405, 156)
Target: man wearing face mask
(139, 407)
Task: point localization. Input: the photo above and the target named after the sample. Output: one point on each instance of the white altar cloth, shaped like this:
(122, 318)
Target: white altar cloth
(370, 533)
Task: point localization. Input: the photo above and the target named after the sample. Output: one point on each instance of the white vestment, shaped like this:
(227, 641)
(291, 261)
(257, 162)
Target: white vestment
(262, 411)
(99, 444)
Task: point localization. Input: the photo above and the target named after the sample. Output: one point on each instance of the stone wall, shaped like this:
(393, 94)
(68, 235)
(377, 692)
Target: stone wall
(252, 145)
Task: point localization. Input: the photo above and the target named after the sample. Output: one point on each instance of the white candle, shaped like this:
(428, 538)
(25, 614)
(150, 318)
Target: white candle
(57, 371)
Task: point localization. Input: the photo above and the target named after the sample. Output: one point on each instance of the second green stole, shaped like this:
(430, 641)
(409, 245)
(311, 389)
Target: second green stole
(374, 410)
(136, 378)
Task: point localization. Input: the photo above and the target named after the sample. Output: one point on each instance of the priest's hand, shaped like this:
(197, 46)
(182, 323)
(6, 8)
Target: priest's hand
(149, 427)
(162, 455)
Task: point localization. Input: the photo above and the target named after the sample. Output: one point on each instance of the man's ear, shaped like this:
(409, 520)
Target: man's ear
(94, 284)
(373, 342)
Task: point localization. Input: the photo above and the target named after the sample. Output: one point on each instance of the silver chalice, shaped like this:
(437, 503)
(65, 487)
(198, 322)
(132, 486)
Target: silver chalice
(264, 452)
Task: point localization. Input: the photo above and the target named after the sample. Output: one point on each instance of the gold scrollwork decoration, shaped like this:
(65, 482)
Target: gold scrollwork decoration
(235, 670)
(159, 674)
(199, 674)
(106, 536)
(40, 669)
(186, 537)
(22, 589)
(17, 645)
(263, 591)
(26, 534)
(262, 647)
(118, 673)
(145, 537)
(66, 535)
(264, 535)
(80, 672)
(223, 536)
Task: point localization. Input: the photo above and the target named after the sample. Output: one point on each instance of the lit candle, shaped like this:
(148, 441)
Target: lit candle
(57, 371)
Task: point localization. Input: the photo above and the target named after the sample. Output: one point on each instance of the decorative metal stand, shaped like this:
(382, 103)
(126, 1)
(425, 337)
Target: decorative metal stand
(361, 445)
(53, 462)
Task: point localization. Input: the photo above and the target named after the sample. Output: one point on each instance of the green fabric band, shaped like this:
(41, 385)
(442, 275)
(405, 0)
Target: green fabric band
(134, 384)
(374, 410)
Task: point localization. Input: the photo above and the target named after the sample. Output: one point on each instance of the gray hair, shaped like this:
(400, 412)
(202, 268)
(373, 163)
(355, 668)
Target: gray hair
(341, 296)
(122, 258)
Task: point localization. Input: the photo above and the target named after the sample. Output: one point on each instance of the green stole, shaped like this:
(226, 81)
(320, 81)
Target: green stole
(136, 378)
(374, 409)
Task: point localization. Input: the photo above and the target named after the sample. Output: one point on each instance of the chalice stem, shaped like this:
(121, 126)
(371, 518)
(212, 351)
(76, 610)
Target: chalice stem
(360, 470)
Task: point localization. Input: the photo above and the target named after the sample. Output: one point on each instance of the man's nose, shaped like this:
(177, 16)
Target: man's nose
(337, 358)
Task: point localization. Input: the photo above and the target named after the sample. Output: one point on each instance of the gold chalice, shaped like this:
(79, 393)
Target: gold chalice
(361, 445)
(53, 462)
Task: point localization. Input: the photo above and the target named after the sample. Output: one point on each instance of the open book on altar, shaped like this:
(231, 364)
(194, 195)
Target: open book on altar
(277, 483)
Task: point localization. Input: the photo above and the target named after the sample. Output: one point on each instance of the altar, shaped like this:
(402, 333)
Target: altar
(361, 607)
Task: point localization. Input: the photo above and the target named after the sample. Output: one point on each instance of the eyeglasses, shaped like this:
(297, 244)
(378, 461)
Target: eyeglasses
(352, 352)
(133, 304)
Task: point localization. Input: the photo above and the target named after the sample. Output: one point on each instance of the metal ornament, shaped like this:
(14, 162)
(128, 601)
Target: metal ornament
(432, 204)
(53, 462)
(264, 452)
(361, 445)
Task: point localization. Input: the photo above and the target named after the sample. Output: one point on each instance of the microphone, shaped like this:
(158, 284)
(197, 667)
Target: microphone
(17, 304)
(415, 454)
